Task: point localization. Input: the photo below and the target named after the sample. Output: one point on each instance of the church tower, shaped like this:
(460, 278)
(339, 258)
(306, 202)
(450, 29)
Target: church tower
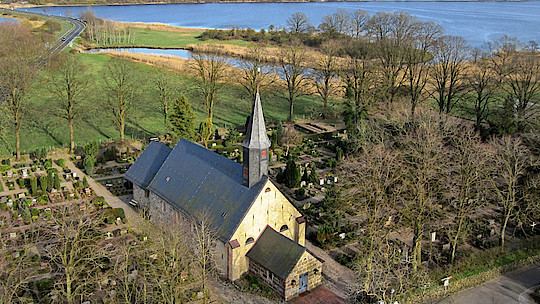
(255, 146)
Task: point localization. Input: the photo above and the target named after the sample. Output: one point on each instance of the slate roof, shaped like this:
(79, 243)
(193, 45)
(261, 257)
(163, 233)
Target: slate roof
(145, 168)
(197, 181)
(280, 262)
(256, 136)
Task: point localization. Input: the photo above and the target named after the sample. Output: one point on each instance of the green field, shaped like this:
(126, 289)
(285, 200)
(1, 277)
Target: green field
(155, 38)
(43, 128)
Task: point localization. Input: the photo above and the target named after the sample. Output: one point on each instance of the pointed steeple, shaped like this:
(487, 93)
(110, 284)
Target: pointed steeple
(255, 146)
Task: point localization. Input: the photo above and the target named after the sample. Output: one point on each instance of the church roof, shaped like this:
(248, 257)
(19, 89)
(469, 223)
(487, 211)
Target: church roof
(199, 182)
(145, 168)
(256, 136)
(279, 261)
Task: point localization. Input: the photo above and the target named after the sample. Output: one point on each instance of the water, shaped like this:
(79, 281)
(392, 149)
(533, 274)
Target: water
(186, 54)
(178, 53)
(4, 19)
(478, 22)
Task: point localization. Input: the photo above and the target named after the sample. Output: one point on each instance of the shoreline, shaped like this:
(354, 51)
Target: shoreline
(20, 6)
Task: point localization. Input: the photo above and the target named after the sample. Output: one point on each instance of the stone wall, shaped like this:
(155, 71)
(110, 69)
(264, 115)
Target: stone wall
(307, 264)
(267, 277)
(162, 212)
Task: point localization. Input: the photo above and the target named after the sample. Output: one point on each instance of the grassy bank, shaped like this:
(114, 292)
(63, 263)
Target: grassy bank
(43, 128)
(49, 27)
(163, 36)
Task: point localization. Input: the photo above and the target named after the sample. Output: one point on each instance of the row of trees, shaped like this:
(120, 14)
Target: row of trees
(435, 176)
(162, 266)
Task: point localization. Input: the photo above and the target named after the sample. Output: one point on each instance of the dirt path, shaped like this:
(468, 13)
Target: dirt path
(338, 277)
(134, 221)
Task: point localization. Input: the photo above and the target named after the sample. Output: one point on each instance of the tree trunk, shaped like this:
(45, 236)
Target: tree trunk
(71, 137)
(455, 241)
(17, 141)
(291, 109)
(503, 228)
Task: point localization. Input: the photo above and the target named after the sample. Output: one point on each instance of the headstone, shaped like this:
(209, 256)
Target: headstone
(491, 222)
(24, 173)
(109, 235)
(123, 231)
(302, 184)
(446, 247)
(342, 235)
(321, 181)
(9, 203)
(34, 201)
(310, 185)
(433, 236)
(74, 174)
(13, 235)
(118, 221)
(10, 174)
(213, 145)
(335, 179)
(21, 195)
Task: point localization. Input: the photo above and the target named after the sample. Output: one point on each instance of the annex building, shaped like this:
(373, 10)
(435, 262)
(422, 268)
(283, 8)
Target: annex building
(258, 230)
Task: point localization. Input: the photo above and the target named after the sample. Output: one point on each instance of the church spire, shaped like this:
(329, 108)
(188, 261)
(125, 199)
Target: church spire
(255, 146)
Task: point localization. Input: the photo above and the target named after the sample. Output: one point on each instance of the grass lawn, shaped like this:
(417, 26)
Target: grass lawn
(44, 128)
(162, 36)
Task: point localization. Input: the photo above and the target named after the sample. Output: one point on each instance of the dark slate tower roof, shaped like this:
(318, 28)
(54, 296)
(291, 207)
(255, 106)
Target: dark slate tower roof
(256, 137)
(255, 146)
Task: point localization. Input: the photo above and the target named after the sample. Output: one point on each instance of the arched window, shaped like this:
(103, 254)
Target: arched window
(283, 228)
(293, 282)
(250, 240)
(267, 189)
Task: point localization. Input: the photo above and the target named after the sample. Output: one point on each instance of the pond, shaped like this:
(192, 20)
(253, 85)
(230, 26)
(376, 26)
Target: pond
(178, 53)
(478, 22)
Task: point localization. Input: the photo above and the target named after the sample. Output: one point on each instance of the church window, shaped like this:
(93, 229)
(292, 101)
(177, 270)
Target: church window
(250, 240)
(283, 228)
(267, 189)
(146, 193)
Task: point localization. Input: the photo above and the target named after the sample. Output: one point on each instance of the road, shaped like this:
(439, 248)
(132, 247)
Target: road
(76, 29)
(510, 288)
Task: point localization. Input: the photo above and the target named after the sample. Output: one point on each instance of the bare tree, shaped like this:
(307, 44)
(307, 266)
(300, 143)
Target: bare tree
(378, 170)
(69, 84)
(298, 23)
(75, 253)
(292, 63)
(358, 76)
(122, 88)
(467, 182)
(338, 23)
(210, 71)
(390, 33)
(448, 71)
(510, 164)
(423, 152)
(325, 76)
(15, 274)
(417, 53)
(204, 237)
(166, 94)
(481, 83)
(19, 61)
(359, 20)
(255, 75)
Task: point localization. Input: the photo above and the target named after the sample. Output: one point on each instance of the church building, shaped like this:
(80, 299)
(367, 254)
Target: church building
(258, 230)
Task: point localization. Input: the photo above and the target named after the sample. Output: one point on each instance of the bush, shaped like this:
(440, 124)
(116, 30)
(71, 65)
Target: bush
(61, 162)
(43, 183)
(112, 214)
(98, 201)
